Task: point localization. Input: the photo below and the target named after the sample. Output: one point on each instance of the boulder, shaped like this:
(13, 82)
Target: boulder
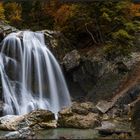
(38, 119)
(41, 119)
(79, 115)
(12, 122)
(71, 60)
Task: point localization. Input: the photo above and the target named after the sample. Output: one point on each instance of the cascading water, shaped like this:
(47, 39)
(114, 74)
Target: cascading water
(31, 77)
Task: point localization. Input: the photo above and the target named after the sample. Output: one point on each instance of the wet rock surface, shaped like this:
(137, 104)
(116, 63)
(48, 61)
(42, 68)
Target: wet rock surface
(82, 115)
(6, 29)
(24, 133)
(39, 119)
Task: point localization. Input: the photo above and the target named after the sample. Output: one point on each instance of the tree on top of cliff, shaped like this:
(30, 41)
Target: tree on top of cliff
(13, 12)
(2, 16)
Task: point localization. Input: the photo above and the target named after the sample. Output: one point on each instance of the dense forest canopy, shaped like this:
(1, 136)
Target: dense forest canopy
(102, 23)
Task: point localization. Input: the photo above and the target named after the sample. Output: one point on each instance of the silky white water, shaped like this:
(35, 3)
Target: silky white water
(31, 77)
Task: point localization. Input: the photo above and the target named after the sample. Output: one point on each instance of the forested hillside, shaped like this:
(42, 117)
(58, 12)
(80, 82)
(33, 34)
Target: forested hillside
(106, 23)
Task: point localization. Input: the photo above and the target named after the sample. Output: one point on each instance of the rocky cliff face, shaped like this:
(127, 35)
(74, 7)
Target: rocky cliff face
(91, 76)
(6, 29)
(113, 86)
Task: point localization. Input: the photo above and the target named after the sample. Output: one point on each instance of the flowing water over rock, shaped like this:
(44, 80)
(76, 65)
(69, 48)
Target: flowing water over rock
(31, 76)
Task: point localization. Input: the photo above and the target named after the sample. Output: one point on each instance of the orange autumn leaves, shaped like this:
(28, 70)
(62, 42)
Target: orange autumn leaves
(64, 13)
(135, 8)
(43, 11)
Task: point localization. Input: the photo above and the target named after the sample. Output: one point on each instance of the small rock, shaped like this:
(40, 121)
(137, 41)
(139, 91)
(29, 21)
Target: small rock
(23, 133)
(104, 106)
(105, 117)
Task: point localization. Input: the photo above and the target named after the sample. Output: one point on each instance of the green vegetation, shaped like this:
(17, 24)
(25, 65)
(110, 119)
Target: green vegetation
(103, 23)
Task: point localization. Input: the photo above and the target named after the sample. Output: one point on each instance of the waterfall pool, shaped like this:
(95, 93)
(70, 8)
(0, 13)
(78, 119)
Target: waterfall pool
(62, 133)
(67, 133)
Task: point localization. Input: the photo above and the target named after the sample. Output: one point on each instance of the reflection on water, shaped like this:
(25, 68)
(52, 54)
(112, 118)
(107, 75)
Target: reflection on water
(67, 133)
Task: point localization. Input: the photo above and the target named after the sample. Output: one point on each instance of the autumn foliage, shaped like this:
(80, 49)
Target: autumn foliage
(111, 23)
(135, 9)
(13, 12)
(2, 16)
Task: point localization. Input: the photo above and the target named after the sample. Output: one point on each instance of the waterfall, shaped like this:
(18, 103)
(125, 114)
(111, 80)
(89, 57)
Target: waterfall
(31, 76)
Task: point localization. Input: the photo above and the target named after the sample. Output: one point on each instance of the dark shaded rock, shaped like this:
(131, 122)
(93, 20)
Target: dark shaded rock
(2, 35)
(135, 116)
(97, 79)
(107, 132)
(1, 108)
(63, 138)
(114, 127)
(121, 67)
(94, 79)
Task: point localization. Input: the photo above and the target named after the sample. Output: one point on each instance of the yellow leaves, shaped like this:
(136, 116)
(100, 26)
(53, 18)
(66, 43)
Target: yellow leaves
(2, 17)
(122, 34)
(64, 13)
(105, 16)
(13, 12)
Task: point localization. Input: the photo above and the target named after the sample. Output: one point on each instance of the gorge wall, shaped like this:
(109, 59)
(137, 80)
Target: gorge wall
(89, 75)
